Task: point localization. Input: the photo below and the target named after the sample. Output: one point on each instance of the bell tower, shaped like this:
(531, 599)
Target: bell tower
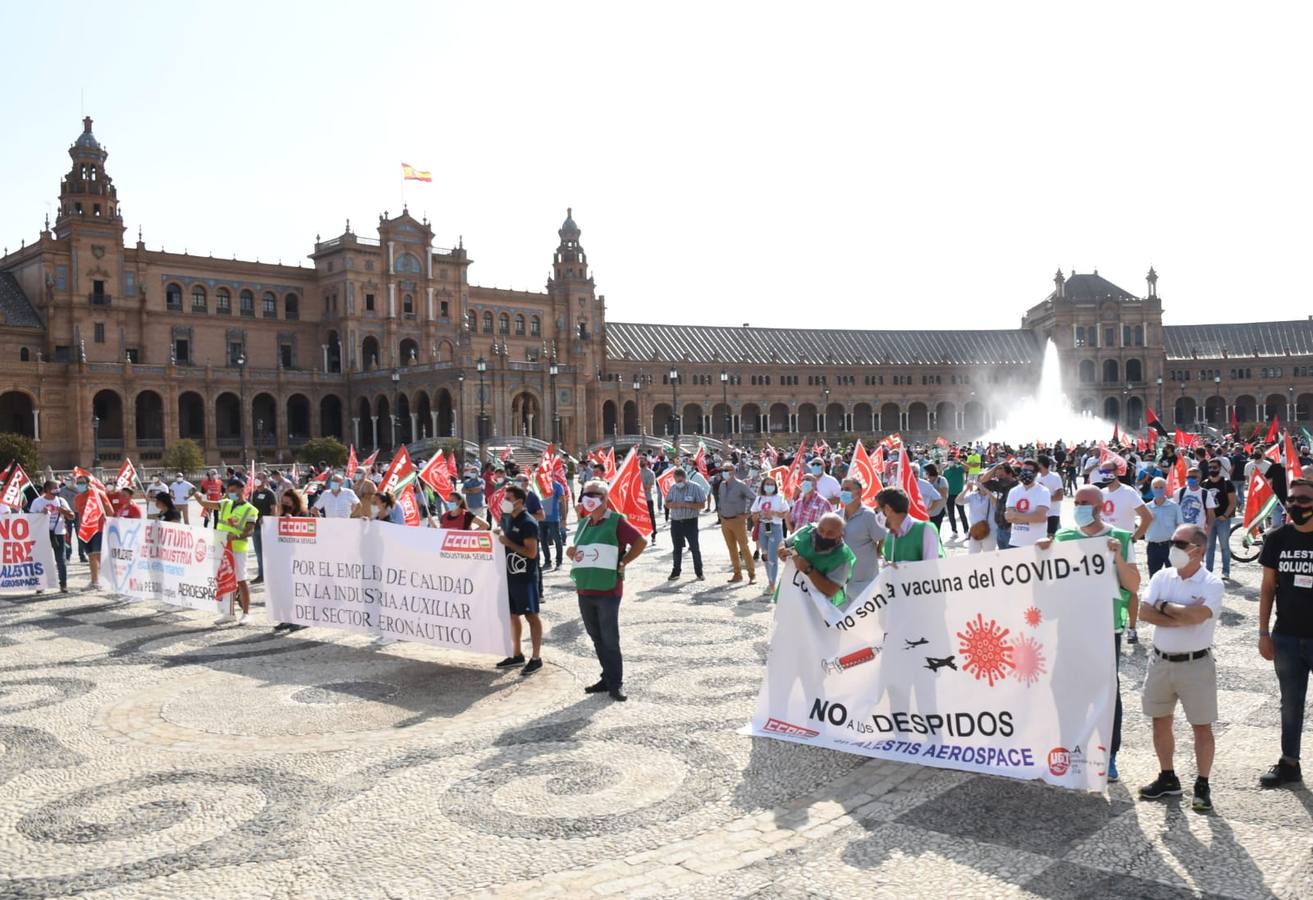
(87, 196)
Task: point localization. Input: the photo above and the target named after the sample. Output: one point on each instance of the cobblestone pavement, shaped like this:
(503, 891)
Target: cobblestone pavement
(144, 753)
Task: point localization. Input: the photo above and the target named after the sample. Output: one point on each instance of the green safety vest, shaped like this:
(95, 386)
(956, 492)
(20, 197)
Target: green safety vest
(1121, 604)
(601, 554)
(907, 547)
(244, 513)
(826, 561)
(973, 464)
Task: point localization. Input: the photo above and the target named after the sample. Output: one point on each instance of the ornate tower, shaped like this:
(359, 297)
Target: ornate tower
(87, 196)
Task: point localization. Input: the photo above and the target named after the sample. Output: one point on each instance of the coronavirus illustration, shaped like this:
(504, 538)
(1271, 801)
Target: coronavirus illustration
(1033, 616)
(986, 649)
(1028, 657)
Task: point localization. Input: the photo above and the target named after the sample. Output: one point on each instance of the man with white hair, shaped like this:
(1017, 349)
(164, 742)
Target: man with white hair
(604, 543)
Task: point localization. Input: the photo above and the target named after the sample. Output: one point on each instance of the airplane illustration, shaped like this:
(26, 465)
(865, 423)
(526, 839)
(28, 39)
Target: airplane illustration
(911, 644)
(934, 665)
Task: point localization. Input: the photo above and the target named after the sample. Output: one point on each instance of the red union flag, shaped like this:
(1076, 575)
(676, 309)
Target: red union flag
(12, 493)
(907, 481)
(862, 467)
(370, 460)
(437, 475)
(93, 514)
(226, 580)
(1260, 499)
(794, 475)
(1293, 468)
(409, 506)
(626, 496)
(400, 472)
(665, 480)
(610, 470)
(351, 463)
(127, 476)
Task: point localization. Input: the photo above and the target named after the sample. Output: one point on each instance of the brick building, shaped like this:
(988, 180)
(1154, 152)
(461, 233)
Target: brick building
(382, 340)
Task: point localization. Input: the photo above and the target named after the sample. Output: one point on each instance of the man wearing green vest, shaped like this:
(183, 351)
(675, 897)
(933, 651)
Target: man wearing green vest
(908, 540)
(235, 519)
(820, 555)
(1090, 526)
(604, 543)
(973, 464)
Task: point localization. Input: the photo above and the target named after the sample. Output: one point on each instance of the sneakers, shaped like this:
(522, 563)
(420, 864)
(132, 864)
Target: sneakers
(242, 619)
(1203, 796)
(532, 666)
(225, 619)
(617, 695)
(1282, 773)
(1165, 785)
(596, 688)
(1131, 636)
(701, 578)
(674, 576)
(511, 662)
(1113, 775)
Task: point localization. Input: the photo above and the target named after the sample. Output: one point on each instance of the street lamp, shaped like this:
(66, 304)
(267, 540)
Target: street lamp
(461, 418)
(724, 397)
(1217, 388)
(259, 440)
(553, 370)
(825, 407)
(396, 395)
(1290, 406)
(1160, 395)
(674, 401)
(482, 366)
(95, 441)
(241, 377)
(638, 409)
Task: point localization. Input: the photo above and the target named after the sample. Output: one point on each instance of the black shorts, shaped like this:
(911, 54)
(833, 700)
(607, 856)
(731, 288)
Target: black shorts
(1055, 522)
(523, 596)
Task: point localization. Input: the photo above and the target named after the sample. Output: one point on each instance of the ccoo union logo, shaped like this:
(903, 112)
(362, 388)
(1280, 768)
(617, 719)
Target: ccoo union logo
(290, 526)
(467, 542)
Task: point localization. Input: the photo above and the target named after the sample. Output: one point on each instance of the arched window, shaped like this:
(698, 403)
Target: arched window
(24, 355)
(1110, 369)
(519, 326)
(408, 305)
(198, 299)
(487, 323)
(292, 306)
(1134, 371)
(503, 324)
(173, 297)
(1139, 335)
(535, 327)
(1080, 335)
(407, 263)
(269, 303)
(246, 299)
(223, 302)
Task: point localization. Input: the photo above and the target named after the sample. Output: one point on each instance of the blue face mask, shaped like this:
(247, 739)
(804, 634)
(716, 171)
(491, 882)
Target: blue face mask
(1159, 492)
(845, 497)
(1084, 515)
(806, 487)
(1192, 482)
(452, 506)
(82, 487)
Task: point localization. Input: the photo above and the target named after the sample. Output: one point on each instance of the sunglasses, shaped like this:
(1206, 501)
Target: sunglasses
(1300, 501)
(1182, 545)
(595, 496)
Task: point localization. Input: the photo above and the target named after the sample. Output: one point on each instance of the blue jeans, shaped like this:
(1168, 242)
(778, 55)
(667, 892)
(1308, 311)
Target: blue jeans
(1293, 662)
(1220, 533)
(1239, 495)
(601, 617)
(1003, 536)
(1156, 554)
(1116, 743)
(58, 542)
(259, 552)
(769, 537)
(549, 535)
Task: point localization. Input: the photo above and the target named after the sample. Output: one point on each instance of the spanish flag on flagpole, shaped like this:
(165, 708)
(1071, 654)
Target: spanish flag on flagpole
(410, 173)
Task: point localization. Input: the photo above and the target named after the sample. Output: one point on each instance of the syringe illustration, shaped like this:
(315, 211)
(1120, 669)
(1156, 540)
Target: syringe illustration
(848, 660)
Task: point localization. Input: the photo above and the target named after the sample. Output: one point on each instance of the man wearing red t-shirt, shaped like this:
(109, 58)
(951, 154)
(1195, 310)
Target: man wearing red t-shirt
(121, 504)
(212, 488)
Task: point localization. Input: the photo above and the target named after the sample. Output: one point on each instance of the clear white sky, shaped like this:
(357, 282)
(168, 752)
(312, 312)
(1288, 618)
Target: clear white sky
(870, 165)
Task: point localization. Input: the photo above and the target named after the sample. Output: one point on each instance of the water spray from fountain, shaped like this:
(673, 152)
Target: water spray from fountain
(1048, 415)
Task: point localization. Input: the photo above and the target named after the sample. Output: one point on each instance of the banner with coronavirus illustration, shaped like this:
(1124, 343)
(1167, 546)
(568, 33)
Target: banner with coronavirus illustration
(1001, 663)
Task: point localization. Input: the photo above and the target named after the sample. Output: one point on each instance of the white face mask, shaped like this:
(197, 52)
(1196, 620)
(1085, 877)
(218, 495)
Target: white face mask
(507, 506)
(590, 503)
(768, 489)
(1178, 558)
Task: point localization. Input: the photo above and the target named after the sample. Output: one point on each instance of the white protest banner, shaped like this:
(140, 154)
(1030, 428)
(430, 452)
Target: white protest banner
(27, 561)
(435, 586)
(147, 559)
(999, 663)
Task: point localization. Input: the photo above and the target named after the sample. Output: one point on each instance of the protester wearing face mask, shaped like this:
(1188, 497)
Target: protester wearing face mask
(264, 500)
(1182, 603)
(364, 488)
(59, 514)
(236, 521)
(290, 504)
(154, 489)
(1223, 496)
(212, 487)
(770, 516)
(826, 485)
(1196, 504)
(604, 543)
(809, 505)
(820, 555)
(736, 499)
(1287, 561)
(684, 502)
(1090, 525)
(1028, 507)
(455, 514)
(181, 491)
(1123, 506)
(523, 588)
(165, 511)
(339, 501)
(1166, 519)
(90, 549)
(979, 505)
(907, 539)
(1000, 481)
(386, 509)
(862, 533)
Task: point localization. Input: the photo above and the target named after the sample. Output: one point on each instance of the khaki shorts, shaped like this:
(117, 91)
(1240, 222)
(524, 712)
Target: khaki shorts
(1194, 683)
(239, 565)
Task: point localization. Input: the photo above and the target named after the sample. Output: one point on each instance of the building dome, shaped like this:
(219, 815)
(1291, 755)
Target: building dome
(86, 138)
(569, 231)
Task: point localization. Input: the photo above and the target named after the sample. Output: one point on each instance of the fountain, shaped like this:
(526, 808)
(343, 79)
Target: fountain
(1047, 415)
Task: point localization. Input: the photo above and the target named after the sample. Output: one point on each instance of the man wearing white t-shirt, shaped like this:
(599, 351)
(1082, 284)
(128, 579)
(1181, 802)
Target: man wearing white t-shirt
(1028, 507)
(1122, 504)
(1182, 603)
(1051, 479)
(181, 492)
(826, 484)
(1197, 505)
